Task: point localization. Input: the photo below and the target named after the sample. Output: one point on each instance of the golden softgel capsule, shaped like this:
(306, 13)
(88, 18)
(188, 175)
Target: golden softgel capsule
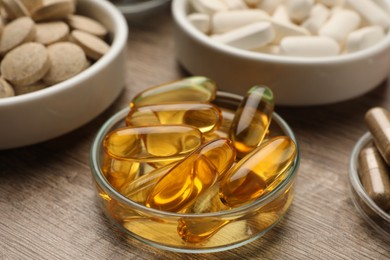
(378, 122)
(252, 119)
(258, 172)
(152, 143)
(197, 88)
(119, 172)
(203, 116)
(137, 190)
(192, 176)
(374, 175)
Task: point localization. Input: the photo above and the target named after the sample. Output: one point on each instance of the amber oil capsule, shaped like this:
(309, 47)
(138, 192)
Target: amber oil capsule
(197, 88)
(138, 189)
(197, 230)
(193, 176)
(204, 116)
(118, 172)
(374, 175)
(252, 119)
(152, 143)
(378, 122)
(258, 172)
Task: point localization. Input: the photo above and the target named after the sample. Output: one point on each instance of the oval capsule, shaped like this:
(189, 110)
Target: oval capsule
(119, 172)
(152, 143)
(138, 189)
(374, 175)
(378, 122)
(259, 171)
(252, 119)
(197, 88)
(204, 116)
(192, 176)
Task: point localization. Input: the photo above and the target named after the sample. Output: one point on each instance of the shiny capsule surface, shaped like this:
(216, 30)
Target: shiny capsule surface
(203, 116)
(258, 172)
(119, 172)
(375, 177)
(152, 143)
(198, 230)
(192, 176)
(252, 119)
(197, 88)
(138, 189)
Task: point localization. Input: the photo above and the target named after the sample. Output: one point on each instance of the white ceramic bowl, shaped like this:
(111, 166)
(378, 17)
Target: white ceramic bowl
(51, 112)
(294, 80)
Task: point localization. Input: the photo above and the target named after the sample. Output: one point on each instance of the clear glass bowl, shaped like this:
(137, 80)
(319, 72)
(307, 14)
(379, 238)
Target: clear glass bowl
(236, 227)
(374, 215)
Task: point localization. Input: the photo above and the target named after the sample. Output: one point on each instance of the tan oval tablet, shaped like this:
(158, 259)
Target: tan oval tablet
(6, 89)
(54, 10)
(32, 5)
(15, 8)
(51, 32)
(67, 59)
(86, 24)
(26, 64)
(93, 46)
(20, 90)
(18, 31)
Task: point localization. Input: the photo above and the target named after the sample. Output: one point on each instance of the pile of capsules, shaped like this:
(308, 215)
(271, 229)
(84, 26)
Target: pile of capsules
(374, 159)
(173, 155)
(305, 28)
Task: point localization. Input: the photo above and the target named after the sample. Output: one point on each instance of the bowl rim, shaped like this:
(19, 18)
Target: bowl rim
(140, 7)
(355, 180)
(105, 185)
(179, 11)
(119, 41)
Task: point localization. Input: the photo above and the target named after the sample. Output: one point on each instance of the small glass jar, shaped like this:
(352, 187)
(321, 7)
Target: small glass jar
(234, 227)
(372, 213)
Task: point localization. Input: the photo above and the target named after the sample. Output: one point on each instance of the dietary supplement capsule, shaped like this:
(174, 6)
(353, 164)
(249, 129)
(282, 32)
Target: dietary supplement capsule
(197, 230)
(197, 88)
(208, 202)
(203, 116)
(152, 143)
(119, 172)
(378, 122)
(258, 172)
(138, 189)
(252, 119)
(192, 176)
(374, 175)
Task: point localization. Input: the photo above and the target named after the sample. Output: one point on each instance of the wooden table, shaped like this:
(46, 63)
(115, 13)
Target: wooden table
(47, 206)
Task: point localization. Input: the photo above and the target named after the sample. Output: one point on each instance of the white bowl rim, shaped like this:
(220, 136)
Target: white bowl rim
(179, 14)
(119, 41)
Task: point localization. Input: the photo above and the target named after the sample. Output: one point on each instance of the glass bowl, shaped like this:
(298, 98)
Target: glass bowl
(374, 215)
(231, 228)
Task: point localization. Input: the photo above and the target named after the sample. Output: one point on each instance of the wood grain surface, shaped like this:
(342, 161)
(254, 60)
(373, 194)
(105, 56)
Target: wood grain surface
(47, 201)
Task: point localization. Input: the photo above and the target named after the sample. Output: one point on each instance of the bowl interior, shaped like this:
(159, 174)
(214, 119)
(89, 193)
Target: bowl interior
(373, 214)
(225, 100)
(181, 8)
